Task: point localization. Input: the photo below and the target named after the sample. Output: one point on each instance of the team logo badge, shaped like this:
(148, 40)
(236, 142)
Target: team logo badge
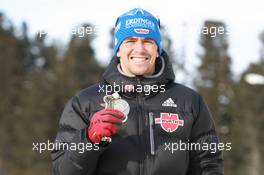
(141, 31)
(169, 121)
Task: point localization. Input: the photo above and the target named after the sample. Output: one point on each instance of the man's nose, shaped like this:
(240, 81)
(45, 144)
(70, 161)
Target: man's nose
(139, 46)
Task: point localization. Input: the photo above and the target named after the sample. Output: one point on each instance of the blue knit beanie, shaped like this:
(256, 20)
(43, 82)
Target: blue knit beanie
(138, 23)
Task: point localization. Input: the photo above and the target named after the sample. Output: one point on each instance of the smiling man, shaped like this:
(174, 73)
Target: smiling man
(129, 131)
(138, 56)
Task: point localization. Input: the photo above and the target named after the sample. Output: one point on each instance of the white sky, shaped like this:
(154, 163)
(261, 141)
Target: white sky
(245, 20)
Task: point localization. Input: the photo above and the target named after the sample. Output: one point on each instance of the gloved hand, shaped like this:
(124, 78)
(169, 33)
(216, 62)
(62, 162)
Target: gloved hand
(104, 124)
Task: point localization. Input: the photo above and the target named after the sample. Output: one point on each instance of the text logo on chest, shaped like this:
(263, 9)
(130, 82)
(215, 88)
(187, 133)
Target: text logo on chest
(169, 122)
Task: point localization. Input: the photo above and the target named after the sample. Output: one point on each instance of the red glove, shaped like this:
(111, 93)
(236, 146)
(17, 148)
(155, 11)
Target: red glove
(104, 124)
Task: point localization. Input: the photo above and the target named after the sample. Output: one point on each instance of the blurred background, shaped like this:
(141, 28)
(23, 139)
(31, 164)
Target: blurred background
(51, 49)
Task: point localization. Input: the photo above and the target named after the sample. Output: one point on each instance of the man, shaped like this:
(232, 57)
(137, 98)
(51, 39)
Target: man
(157, 120)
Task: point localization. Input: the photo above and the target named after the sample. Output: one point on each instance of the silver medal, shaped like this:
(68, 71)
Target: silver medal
(114, 101)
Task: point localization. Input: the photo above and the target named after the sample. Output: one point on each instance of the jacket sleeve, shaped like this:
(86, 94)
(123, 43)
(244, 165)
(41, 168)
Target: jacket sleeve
(73, 153)
(205, 159)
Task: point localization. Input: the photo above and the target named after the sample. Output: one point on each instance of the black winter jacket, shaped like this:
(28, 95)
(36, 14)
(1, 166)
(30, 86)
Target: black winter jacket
(151, 142)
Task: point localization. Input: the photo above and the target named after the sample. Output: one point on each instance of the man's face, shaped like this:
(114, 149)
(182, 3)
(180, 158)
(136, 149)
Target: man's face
(138, 56)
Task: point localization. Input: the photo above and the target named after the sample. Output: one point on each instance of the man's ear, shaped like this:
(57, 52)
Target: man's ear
(158, 54)
(118, 53)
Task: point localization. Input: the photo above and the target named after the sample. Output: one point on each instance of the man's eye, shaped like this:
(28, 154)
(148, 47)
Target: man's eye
(149, 42)
(129, 41)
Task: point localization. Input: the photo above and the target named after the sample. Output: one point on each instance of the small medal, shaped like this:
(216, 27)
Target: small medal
(114, 101)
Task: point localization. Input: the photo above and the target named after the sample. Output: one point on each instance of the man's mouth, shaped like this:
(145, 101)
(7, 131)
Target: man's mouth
(139, 59)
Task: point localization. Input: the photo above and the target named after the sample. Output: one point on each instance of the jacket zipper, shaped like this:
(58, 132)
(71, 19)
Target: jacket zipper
(151, 133)
(147, 120)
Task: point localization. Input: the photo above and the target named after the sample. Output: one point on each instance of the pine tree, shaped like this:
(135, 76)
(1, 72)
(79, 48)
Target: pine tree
(215, 83)
(12, 75)
(35, 85)
(79, 68)
(249, 100)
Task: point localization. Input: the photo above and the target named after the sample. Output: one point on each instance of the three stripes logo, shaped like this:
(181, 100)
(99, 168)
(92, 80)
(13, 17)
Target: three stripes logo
(169, 103)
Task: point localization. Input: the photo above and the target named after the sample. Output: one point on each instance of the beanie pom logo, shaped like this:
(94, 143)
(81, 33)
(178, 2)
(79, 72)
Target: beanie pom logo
(141, 31)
